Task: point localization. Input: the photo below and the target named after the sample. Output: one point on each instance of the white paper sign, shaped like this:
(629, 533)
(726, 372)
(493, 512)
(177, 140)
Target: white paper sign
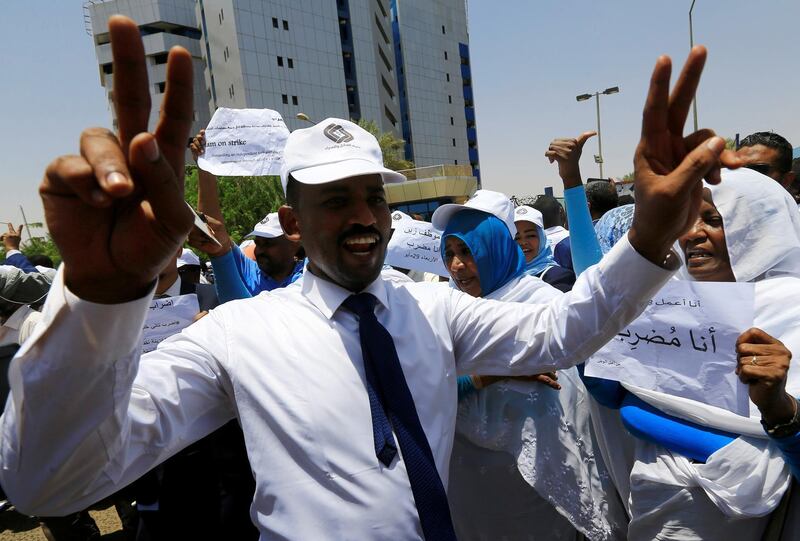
(684, 344)
(244, 142)
(166, 317)
(415, 245)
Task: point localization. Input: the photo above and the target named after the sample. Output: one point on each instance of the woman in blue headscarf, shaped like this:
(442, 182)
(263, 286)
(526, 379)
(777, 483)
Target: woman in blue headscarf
(523, 464)
(539, 260)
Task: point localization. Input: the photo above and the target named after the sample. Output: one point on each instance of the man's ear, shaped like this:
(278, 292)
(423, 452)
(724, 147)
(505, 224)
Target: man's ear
(289, 223)
(788, 179)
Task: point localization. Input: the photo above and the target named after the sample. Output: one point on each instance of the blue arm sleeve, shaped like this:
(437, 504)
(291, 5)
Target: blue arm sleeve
(228, 281)
(465, 386)
(21, 262)
(248, 271)
(790, 449)
(647, 423)
(607, 392)
(585, 248)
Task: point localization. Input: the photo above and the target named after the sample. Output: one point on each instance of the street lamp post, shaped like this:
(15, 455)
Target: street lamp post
(583, 97)
(304, 117)
(691, 45)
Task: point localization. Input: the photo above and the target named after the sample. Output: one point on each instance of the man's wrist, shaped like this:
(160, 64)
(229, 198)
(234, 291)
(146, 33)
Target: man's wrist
(781, 412)
(658, 252)
(118, 290)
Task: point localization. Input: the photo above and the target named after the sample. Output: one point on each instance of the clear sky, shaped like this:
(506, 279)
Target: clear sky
(529, 61)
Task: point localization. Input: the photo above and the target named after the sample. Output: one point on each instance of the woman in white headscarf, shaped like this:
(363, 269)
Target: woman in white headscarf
(694, 471)
(523, 464)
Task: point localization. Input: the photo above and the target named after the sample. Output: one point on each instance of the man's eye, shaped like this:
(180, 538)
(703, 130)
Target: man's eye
(335, 202)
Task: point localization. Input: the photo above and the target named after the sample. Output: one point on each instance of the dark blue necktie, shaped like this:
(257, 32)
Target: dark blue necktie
(392, 405)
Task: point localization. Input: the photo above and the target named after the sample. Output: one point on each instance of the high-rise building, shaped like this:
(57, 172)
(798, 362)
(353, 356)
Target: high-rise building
(163, 25)
(403, 64)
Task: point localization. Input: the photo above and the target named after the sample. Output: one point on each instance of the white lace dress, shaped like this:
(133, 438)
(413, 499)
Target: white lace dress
(524, 464)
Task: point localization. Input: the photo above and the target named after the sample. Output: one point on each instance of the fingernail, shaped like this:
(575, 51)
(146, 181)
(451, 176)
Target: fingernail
(716, 144)
(150, 149)
(98, 196)
(115, 178)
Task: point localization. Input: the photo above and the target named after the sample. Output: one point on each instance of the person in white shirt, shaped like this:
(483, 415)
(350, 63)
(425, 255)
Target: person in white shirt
(324, 409)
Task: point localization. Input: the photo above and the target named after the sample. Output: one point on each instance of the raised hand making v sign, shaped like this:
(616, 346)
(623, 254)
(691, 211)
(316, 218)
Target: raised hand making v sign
(668, 167)
(116, 211)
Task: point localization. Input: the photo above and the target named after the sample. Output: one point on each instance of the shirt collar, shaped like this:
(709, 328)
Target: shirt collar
(172, 291)
(16, 319)
(327, 296)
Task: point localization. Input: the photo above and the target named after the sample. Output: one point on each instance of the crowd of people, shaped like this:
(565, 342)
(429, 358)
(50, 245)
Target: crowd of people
(314, 392)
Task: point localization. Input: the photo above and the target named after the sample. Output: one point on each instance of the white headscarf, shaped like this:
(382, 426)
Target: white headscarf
(748, 477)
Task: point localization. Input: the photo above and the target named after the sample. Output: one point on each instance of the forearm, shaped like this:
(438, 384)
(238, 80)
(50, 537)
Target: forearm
(87, 417)
(249, 271)
(67, 385)
(229, 283)
(17, 259)
(585, 248)
(518, 339)
(208, 195)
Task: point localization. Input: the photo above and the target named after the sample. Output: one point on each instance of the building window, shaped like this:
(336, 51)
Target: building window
(226, 53)
(449, 99)
(456, 162)
(221, 16)
(445, 55)
(291, 63)
(108, 69)
(451, 121)
(285, 99)
(161, 87)
(454, 141)
(294, 100)
(286, 25)
(448, 77)
(231, 91)
(443, 32)
(160, 58)
(274, 22)
(280, 61)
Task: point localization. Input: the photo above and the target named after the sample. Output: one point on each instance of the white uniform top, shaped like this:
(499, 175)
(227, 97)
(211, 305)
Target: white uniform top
(288, 364)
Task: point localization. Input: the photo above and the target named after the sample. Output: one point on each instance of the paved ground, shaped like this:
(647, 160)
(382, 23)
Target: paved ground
(16, 527)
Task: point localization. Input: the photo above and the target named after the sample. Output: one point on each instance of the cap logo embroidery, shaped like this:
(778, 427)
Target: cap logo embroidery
(522, 211)
(396, 216)
(337, 134)
(265, 220)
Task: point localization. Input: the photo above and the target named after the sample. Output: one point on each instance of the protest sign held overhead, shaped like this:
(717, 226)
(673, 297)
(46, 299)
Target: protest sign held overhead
(166, 317)
(415, 245)
(244, 142)
(684, 344)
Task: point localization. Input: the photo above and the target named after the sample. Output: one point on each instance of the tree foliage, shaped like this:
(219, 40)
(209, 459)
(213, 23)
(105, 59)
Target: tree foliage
(244, 200)
(393, 148)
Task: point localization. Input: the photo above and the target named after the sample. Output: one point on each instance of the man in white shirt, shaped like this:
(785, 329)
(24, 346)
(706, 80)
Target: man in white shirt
(296, 366)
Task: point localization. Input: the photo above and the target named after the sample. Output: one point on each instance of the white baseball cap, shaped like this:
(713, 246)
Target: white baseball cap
(495, 203)
(269, 227)
(333, 150)
(524, 213)
(188, 257)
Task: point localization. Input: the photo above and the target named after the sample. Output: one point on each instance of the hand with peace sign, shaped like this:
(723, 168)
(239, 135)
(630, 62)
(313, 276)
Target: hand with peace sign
(116, 212)
(13, 238)
(668, 167)
(567, 152)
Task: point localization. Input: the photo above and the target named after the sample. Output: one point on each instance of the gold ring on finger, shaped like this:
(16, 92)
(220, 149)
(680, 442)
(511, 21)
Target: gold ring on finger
(754, 361)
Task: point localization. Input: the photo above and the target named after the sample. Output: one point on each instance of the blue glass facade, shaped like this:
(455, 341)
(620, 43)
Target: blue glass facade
(348, 59)
(469, 111)
(405, 122)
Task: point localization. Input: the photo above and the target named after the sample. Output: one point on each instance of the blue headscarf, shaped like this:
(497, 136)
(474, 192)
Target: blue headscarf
(613, 225)
(497, 255)
(544, 259)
